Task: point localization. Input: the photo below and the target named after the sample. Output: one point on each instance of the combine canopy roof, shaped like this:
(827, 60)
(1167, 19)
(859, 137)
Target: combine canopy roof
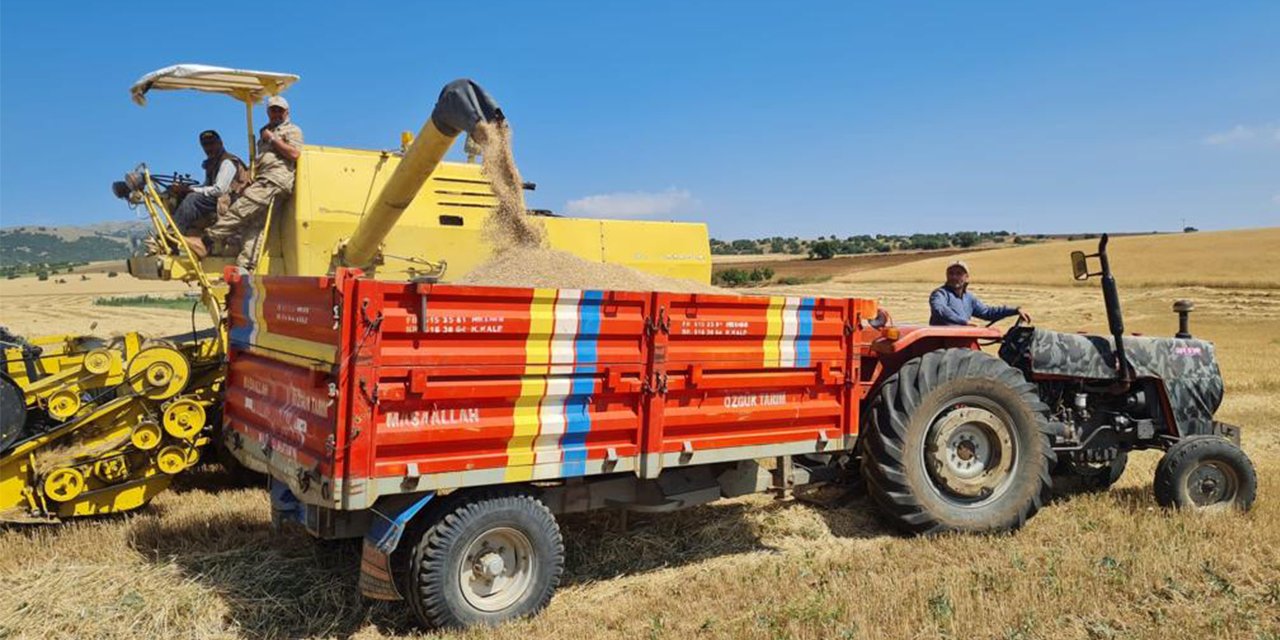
(241, 84)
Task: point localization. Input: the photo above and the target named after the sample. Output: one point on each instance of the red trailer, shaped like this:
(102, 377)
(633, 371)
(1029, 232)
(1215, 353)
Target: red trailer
(446, 425)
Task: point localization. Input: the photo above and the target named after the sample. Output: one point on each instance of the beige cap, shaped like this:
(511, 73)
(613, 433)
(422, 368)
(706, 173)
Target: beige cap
(959, 263)
(277, 101)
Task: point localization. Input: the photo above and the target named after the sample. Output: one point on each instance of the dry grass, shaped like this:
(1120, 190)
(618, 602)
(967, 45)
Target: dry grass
(32, 307)
(201, 561)
(1244, 258)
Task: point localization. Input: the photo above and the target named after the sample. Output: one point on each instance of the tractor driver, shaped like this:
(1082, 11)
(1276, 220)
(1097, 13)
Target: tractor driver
(225, 177)
(952, 304)
(279, 147)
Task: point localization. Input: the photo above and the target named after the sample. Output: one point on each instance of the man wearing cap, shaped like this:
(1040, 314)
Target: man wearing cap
(952, 304)
(225, 177)
(279, 147)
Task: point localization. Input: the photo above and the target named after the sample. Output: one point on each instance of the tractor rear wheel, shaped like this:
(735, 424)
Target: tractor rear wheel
(1205, 473)
(490, 558)
(957, 440)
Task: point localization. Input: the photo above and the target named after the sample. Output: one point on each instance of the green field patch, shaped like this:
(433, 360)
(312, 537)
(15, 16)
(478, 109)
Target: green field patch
(148, 301)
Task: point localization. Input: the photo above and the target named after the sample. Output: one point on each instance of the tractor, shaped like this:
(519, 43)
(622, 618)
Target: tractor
(959, 441)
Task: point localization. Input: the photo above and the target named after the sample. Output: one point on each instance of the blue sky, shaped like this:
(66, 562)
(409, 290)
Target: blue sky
(761, 119)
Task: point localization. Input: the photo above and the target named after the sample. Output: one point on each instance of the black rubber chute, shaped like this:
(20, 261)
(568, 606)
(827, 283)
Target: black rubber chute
(461, 106)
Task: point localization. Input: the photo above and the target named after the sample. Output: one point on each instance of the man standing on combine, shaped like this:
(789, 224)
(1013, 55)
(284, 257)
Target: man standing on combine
(279, 147)
(952, 304)
(225, 177)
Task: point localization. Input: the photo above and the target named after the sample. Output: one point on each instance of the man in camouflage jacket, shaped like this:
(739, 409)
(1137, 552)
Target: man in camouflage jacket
(279, 147)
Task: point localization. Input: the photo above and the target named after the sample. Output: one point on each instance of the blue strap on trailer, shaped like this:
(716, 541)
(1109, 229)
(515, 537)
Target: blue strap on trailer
(380, 542)
(285, 506)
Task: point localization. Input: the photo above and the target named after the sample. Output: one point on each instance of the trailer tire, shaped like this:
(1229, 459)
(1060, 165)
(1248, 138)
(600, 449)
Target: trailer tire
(1208, 473)
(485, 559)
(957, 440)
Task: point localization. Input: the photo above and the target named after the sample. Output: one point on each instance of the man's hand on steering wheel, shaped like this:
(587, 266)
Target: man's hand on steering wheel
(1023, 318)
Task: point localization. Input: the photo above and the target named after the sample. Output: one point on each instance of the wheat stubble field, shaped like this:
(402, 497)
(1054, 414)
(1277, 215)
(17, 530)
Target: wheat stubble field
(201, 561)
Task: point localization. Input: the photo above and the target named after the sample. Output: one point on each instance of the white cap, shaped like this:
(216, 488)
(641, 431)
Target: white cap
(278, 101)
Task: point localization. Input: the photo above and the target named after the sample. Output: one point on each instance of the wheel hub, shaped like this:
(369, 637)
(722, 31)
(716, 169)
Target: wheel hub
(496, 569)
(969, 452)
(1211, 483)
(489, 566)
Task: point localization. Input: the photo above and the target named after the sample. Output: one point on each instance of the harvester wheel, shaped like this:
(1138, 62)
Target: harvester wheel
(13, 413)
(957, 440)
(1206, 473)
(1071, 476)
(491, 558)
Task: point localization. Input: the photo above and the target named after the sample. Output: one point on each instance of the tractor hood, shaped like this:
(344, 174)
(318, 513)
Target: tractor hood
(1187, 368)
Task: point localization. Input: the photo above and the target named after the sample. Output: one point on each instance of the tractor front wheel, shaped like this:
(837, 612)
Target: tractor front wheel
(957, 440)
(1206, 473)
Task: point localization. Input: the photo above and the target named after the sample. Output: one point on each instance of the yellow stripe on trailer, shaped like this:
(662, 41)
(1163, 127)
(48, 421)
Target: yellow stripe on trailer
(773, 332)
(533, 386)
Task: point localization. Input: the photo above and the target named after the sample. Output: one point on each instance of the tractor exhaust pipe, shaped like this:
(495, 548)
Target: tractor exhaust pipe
(1115, 320)
(461, 106)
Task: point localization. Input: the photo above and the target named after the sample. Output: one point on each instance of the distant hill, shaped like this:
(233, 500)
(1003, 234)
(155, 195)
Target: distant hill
(34, 244)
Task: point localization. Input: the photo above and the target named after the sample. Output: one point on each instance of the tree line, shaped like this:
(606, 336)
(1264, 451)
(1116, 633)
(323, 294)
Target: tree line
(825, 247)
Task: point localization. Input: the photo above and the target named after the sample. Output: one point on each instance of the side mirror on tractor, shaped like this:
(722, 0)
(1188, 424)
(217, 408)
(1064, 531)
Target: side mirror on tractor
(1080, 265)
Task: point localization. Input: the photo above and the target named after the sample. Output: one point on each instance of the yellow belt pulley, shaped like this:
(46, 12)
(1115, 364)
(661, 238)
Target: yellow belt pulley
(175, 458)
(184, 418)
(159, 372)
(146, 435)
(63, 404)
(64, 484)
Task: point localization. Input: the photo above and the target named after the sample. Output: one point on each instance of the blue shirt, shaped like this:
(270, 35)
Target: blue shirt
(947, 308)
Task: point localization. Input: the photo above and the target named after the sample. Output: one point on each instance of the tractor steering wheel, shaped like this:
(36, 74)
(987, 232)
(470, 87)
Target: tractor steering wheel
(1016, 324)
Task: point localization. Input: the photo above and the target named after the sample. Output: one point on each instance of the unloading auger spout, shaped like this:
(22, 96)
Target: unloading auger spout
(461, 106)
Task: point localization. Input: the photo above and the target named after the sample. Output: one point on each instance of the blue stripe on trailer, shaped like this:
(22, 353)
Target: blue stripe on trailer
(577, 413)
(805, 332)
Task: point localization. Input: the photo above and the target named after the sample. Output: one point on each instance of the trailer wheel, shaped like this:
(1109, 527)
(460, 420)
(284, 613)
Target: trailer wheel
(1206, 473)
(489, 559)
(957, 440)
(1071, 476)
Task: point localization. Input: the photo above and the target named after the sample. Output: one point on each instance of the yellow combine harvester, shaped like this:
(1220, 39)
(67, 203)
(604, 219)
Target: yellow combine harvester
(93, 426)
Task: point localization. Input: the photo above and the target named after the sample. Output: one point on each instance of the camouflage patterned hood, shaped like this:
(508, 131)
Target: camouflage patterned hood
(1188, 367)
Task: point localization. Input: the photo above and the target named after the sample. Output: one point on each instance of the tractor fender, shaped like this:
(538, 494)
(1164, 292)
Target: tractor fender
(890, 347)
